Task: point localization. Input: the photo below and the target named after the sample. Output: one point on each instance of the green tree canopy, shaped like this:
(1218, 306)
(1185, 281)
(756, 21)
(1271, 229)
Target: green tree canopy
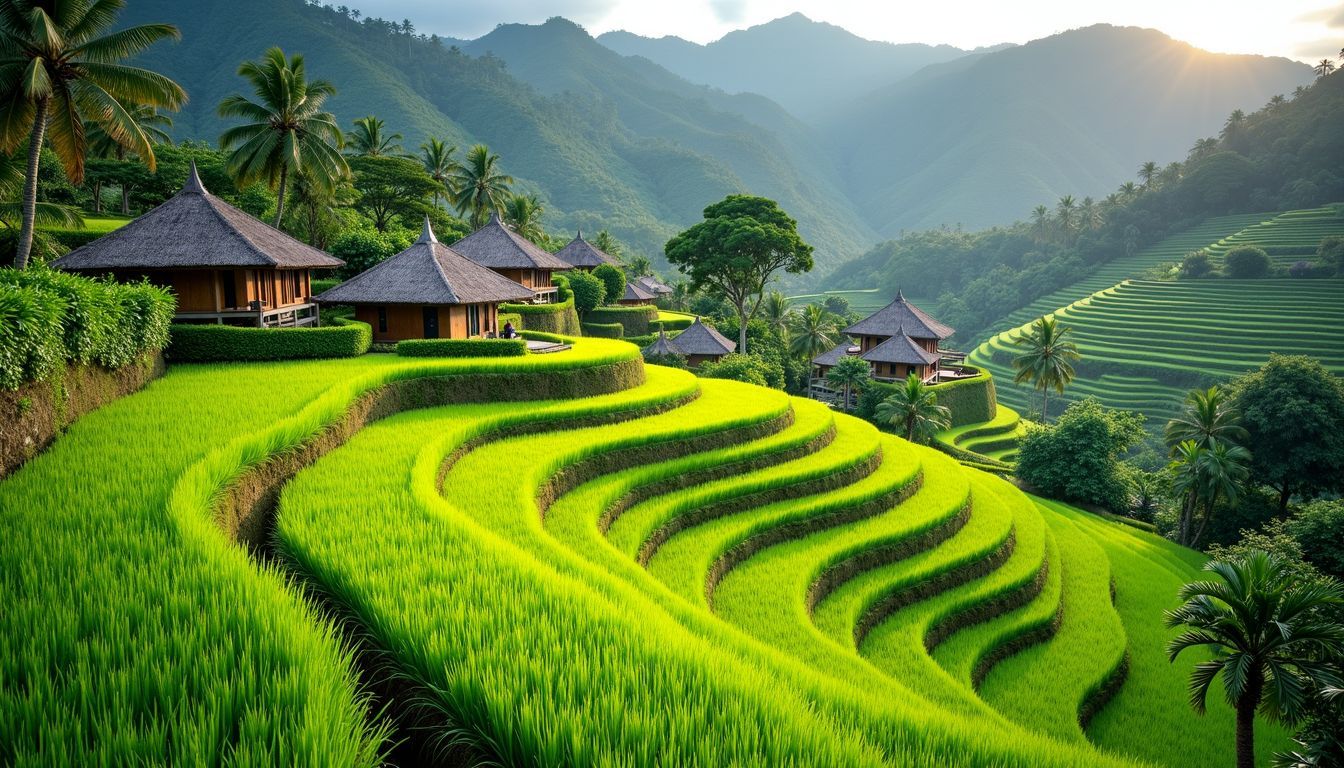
(741, 244)
(613, 281)
(287, 129)
(747, 368)
(61, 68)
(1246, 261)
(391, 189)
(1292, 409)
(1078, 458)
(1208, 415)
(589, 292)
(848, 374)
(523, 214)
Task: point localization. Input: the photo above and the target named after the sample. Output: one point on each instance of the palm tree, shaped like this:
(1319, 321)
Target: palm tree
(608, 244)
(1047, 359)
(57, 71)
(1324, 67)
(1203, 475)
(1040, 224)
(1148, 174)
(287, 130)
(1277, 100)
(478, 188)
(635, 266)
(1129, 190)
(523, 214)
(103, 145)
(1064, 215)
(44, 214)
(775, 311)
(680, 298)
(1202, 149)
(849, 374)
(437, 157)
(1090, 214)
(1234, 122)
(1267, 632)
(1208, 415)
(369, 140)
(812, 332)
(915, 409)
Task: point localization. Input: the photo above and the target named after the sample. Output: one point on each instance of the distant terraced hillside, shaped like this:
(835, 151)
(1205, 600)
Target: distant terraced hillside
(1146, 342)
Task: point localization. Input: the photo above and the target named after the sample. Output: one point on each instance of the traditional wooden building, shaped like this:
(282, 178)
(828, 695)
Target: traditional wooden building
(498, 247)
(428, 291)
(895, 341)
(635, 295)
(699, 343)
(223, 265)
(583, 255)
(653, 286)
(662, 347)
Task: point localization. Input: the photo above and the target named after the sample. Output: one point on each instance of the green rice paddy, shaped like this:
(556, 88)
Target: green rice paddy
(677, 572)
(1145, 343)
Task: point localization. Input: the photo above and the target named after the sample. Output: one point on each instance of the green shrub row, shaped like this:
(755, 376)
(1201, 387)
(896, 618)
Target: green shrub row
(50, 318)
(219, 343)
(547, 318)
(971, 401)
(637, 321)
(461, 347)
(604, 330)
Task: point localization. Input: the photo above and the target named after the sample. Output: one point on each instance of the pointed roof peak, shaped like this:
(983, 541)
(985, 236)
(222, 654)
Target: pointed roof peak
(494, 218)
(578, 234)
(193, 183)
(427, 234)
(900, 296)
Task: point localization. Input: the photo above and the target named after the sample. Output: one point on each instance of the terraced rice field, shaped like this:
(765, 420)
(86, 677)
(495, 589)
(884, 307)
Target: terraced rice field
(1145, 343)
(1288, 237)
(994, 439)
(670, 571)
(864, 301)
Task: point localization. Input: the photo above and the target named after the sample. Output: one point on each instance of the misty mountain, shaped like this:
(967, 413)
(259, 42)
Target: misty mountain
(808, 67)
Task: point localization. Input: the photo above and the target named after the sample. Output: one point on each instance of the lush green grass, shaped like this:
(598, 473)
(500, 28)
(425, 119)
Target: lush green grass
(1288, 238)
(686, 571)
(994, 439)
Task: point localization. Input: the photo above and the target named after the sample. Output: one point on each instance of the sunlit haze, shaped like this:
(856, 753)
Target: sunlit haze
(1301, 29)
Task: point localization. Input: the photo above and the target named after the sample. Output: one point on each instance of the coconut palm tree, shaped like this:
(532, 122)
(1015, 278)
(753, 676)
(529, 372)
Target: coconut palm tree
(1148, 174)
(523, 214)
(1041, 224)
(812, 331)
(1324, 67)
(1047, 359)
(477, 187)
(101, 144)
(1090, 215)
(58, 70)
(287, 130)
(1064, 215)
(44, 214)
(1202, 149)
(680, 298)
(608, 244)
(914, 409)
(1234, 123)
(775, 312)
(1267, 632)
(368, 139)
(1208, 415)
(1202, 476)
(1129, 190)
(848, 375)
(437, 157)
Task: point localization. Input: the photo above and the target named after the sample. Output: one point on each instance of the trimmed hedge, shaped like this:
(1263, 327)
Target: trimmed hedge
(462, 348)
(636, 321)
(559, 317)
(603, 330)
(674, 324)
(49, 318)
(220, 343)
(509, 317)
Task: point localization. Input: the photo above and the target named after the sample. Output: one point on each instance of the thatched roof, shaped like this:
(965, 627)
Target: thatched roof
(498, 247)
(900, 317)
(835, 355)
(634, 292)
(700, 339)
(653, 286)
(581, 253)
(428, 272)
(195, 229)
(900, 349)
(662, 346)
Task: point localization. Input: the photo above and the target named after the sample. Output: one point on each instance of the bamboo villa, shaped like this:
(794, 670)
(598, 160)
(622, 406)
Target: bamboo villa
(513, 256)
(427, 291)
(223, 265)
(896, 341)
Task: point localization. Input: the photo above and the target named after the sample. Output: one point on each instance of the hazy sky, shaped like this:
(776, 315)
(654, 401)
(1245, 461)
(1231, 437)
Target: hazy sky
(1301, 29)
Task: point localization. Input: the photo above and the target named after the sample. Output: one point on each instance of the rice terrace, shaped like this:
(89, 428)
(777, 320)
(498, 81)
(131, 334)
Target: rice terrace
(742, 386)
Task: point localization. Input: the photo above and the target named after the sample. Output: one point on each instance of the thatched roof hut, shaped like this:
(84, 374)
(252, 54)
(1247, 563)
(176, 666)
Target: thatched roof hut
(900, 317)
(581, 254)
(635, 294)
(662, 347)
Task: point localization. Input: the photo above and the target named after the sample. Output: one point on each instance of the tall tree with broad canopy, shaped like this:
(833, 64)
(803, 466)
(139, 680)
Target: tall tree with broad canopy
(287, 130)
(1291, 409)
(1268, 635)
(743, 241)
(391, 187)
(61, 68)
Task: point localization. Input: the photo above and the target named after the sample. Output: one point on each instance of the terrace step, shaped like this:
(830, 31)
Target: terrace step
(894, 613)
(1052, 684)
